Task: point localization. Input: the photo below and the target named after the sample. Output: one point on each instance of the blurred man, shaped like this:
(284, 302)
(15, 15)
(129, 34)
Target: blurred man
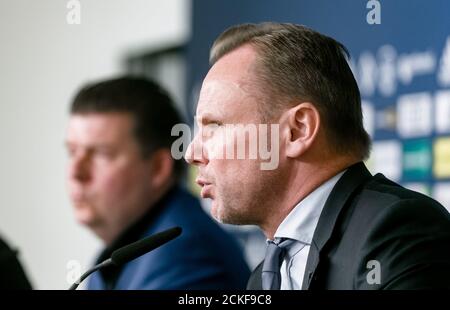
(330, 224)
(124, 185)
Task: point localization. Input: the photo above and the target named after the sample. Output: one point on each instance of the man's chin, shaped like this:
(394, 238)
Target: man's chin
(214, 211)
(85, 221)
(218, 213)
(224, 216)
(85, 216)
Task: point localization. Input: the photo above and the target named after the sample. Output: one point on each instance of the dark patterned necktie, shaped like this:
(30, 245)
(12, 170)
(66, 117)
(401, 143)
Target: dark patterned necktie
(271, 278)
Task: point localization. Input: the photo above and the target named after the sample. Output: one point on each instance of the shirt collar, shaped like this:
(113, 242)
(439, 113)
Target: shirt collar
(301, 222)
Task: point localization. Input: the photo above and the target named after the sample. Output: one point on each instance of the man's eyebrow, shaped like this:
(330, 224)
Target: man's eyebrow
(206, 119)
(69, 144)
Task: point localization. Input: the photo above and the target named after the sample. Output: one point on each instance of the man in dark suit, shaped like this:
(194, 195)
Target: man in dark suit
(125, 185)
(329, 223)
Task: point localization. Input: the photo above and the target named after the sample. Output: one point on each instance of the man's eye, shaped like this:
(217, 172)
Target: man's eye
(105, 153)
(215, 124)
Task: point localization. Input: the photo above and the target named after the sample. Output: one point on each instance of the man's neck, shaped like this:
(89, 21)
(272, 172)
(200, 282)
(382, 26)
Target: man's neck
(110, 233)
(305, 179)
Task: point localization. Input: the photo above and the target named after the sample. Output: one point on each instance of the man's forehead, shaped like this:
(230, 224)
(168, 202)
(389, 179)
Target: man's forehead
(94, 119)
(229, 82)
(239, 61)
(218, 95)
(104, 126)
(222, 87)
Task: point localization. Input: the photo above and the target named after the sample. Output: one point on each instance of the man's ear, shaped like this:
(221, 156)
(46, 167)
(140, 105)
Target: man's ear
(301, 127)
(162, 167)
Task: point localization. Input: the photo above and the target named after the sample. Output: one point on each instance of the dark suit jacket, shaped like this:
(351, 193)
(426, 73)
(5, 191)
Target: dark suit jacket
(203, 257)
(12, 275)
(370, 218)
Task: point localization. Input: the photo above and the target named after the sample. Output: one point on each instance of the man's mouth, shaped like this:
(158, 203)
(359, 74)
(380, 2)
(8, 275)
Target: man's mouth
(206, 186)
(78, 198)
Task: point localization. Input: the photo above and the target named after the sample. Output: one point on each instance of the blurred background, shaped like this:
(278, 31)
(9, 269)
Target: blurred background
(400, 56)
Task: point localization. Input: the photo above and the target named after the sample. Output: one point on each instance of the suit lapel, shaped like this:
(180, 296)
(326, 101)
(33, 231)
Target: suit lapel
(354, 177)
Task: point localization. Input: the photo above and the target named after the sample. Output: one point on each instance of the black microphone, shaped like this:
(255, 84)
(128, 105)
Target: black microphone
(134, 250)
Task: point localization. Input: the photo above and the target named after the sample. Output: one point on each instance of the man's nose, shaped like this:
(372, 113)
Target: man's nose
(195, 153)
(80, 168)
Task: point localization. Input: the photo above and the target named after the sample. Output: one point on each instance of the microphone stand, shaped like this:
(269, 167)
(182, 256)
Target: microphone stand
(105, 263)
(132, 251)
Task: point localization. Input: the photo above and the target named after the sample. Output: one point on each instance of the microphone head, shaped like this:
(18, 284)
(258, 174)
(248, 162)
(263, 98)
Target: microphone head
(145, 245)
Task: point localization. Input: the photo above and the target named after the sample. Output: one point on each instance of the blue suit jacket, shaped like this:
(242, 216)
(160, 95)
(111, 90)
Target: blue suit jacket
(203, 257)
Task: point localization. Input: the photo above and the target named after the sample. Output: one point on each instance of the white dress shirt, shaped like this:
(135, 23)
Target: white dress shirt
(300, 225)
